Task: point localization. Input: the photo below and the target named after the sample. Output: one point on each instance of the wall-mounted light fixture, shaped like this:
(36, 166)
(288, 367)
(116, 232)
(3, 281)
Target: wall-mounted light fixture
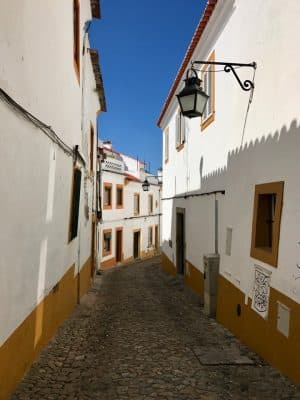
(192, 99)
(146, 183)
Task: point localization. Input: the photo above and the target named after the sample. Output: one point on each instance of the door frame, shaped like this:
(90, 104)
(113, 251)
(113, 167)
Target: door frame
(180, 211)
(119, 229)
(139, 243)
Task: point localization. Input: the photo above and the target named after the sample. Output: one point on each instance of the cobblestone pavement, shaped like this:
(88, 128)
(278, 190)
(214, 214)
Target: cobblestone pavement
(139, 334)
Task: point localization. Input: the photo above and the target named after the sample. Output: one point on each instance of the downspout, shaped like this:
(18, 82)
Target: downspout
(216, 225)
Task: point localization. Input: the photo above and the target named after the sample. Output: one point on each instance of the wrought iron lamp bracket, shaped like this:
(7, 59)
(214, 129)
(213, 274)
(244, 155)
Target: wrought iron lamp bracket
(230, 67)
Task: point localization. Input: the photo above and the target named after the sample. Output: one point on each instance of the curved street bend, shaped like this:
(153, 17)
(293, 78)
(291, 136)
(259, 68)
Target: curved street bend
(140, 334)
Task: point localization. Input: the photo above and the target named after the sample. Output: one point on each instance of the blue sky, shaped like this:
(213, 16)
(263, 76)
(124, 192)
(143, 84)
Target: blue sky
(141, 45)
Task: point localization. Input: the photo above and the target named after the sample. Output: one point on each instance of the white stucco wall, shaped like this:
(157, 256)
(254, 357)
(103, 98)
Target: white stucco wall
(36, 45)
(124, 217)
(222, 158)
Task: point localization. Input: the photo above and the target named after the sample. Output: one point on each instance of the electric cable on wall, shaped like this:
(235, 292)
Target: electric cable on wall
(41, 125)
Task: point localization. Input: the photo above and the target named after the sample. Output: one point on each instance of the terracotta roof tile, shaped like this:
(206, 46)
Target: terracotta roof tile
(210, 6)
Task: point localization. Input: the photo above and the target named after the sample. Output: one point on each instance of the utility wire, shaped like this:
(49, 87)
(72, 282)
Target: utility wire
(248, 108)
(39, 124)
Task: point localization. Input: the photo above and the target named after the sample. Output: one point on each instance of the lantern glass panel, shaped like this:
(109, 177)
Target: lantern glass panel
(201, 102)
(187, 102)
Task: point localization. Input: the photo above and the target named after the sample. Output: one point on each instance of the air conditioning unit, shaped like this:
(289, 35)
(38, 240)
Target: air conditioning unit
(211, 273)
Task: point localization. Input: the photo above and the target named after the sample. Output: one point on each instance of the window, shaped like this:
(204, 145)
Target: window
(107, 233)
(208, 82)
(150, 204)
(119, 196)
(266, 222)
(75, 201)
(167, 145)
(91, 149)
(136, 204)
(76, 32)
(180, 131)
(150, 236)
(107, 193)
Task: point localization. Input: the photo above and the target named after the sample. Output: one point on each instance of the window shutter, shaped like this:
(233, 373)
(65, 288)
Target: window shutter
(183, 125)
(75, 203)
(178, 129)
(208, 107)
(167, 145)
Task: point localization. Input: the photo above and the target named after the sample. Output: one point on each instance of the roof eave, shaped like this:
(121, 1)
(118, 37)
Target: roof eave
(210, 6)
(98, 78)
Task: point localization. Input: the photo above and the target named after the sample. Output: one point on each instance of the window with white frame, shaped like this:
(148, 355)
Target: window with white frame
(180, 130)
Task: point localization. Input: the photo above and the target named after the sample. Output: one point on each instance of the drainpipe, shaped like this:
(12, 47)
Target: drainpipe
(216, 225)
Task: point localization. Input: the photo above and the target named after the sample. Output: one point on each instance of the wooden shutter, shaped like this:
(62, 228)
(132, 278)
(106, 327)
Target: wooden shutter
(75, 204)
(177, 128)
(182, 129)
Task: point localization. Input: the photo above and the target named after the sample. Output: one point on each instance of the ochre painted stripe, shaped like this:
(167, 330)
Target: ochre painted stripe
(194, 278)
(260, 334)
(167, 265)
(23, 346)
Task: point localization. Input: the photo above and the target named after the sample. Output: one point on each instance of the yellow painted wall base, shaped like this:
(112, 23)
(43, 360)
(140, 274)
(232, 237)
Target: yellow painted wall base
(194, 278)
(86, 277)
(24, 345)
(260, 334)
(167, 265)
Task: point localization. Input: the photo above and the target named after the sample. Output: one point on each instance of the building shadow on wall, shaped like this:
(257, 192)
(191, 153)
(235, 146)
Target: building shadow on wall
(271, 158)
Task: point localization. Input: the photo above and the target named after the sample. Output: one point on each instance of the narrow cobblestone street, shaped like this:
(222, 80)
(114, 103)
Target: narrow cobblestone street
(139, 334)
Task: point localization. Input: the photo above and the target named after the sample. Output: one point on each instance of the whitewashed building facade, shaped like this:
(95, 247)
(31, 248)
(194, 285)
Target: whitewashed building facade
(130, 226)
(231, 177)
(51, 91)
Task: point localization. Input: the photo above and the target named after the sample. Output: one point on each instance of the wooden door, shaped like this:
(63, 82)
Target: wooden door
(119, 245)
(156, 238)
(93, 252)
(136, 244)
(180, 242)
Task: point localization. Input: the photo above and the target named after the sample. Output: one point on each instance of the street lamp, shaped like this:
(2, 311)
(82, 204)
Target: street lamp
(146, 185)
(192, 99)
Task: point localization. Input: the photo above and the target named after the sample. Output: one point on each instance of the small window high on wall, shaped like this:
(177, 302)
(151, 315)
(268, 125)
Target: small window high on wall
(136, 204)
(208, 83)
(150, 203)
(180, 131)
(75, 201)
(166, 145)
(119, 196)
(266, 222)
(107, 196)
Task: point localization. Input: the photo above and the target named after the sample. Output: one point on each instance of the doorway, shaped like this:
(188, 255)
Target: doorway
(156, 238)
(136, 243)
(119, 244)
(180, 240)
(93, 250)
